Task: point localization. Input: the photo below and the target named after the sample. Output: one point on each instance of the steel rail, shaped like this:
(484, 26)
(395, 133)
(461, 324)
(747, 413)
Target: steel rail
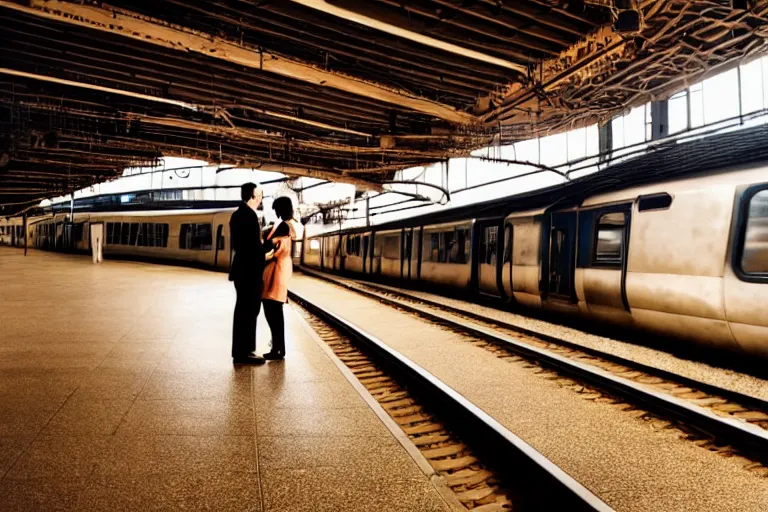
(635, 365)
(749, 438)
(506, 453)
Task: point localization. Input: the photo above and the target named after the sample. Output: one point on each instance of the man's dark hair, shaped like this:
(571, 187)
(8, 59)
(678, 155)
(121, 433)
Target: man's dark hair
(283, 207)
(246, 191)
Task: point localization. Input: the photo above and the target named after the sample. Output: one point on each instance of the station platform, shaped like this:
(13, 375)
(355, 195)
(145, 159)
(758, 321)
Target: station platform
(632, 462)
(117, 392)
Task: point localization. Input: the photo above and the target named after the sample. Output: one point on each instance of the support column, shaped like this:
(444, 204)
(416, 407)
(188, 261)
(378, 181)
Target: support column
(26, 234)
(659, 119)
(605, 138)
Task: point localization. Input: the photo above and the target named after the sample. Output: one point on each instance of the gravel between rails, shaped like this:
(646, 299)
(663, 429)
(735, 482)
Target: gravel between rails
(721, 377)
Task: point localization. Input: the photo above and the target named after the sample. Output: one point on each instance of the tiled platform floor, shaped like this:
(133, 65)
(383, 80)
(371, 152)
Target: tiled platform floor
(117, 392)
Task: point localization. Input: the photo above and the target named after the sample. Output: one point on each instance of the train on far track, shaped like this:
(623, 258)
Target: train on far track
(193, 236)
(659, 244)
(673, 243)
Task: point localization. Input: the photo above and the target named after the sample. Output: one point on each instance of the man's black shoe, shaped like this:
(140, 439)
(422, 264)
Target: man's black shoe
(274, 356)
(248, 360)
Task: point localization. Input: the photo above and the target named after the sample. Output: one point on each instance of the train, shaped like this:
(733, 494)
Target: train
(684, 258)
(673, 250)
(199, 237)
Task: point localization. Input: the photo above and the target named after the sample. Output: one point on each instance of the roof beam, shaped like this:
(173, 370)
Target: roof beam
(335, 176)
(361, 19)
(110, 90)
(183, 104)
(182, 39)
(591, 56)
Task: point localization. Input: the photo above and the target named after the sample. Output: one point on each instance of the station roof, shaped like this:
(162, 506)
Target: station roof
(335, 89)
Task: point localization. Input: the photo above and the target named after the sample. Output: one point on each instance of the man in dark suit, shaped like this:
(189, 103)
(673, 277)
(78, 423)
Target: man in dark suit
(246, 272)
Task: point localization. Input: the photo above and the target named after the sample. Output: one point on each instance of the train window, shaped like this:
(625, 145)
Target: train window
(125, 233)
(754, 256)
(314, 245)
(161, 235)
(459, 247)
(446, 241)
(134, 233)
(353, 245)
(609, 240)
(116, 233)
(654, 202)
(196, 236)
(185, 236)
(434, 251)
(488, 245)
(152, 235)
(143, 240)
(391, 248)
(77, 232)
(110, 232)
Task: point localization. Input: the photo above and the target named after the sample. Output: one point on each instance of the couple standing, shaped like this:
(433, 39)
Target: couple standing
(260, 272)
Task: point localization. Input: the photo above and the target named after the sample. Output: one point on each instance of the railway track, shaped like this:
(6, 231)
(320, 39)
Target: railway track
(487, 467)
(713, 417)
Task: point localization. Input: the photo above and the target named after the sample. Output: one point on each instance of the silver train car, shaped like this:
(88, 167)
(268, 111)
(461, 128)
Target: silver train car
(684, 258)
(12, 231)
(191, 236)
(199, 237)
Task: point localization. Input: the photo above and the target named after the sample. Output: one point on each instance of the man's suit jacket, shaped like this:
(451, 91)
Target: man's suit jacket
(245, 237)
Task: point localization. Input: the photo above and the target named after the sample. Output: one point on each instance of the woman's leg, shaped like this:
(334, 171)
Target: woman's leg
(273, 310)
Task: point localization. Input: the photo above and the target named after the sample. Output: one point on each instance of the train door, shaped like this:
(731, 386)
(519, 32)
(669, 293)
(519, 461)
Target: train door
(746, 277)
(220, 244)
(487, 256)
(560, 255)
(601, 266)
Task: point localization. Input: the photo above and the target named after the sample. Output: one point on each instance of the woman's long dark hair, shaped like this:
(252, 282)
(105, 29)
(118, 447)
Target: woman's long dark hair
(283, 207)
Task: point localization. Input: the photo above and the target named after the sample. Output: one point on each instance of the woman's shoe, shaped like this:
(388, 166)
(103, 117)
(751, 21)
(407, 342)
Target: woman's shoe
(274, 356)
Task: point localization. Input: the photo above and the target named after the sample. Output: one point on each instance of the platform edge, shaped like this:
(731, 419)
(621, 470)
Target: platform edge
(435, 479)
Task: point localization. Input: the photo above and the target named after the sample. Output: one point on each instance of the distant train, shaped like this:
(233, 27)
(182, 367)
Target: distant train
(686, 258)
(192, 236)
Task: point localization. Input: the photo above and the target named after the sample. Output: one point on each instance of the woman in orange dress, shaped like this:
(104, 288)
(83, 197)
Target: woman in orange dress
(277, 273)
